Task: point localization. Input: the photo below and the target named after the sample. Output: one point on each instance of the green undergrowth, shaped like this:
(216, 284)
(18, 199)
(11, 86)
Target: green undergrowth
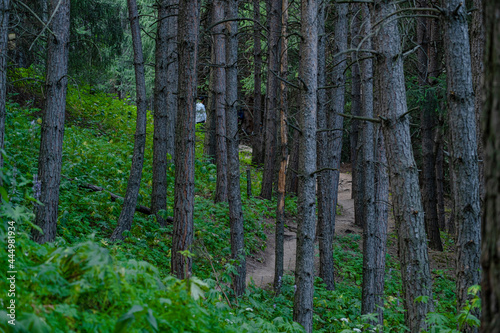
(84, 283)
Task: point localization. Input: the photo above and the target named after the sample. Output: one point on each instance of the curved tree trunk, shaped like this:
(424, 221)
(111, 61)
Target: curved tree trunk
(51, 144)
(165, 104)
(308, 73)
(403, 173)
(134, 181)
(464, 160)
(189, 22)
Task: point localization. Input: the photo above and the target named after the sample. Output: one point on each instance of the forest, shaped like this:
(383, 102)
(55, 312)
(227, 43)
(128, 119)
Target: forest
(250, 166)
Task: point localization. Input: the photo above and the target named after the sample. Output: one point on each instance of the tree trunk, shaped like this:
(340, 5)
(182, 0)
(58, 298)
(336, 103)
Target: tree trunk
(280, 209)
(439, 165)
(427, 73)
(189, 22)
(165, 104)
(356, 149)
(220, 100)
(209, 150)
(490, 257)
(270, 124)
(258, 142)
(292, 180)
(308, 74)
(370, 230)
(51, 144)
(477, 52)
(134, 181)
(4, 39)
(234, 191)
(464, 159)
(408, 210)
(326, 211)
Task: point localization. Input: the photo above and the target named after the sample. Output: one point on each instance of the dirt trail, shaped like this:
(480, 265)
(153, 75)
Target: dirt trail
(260, 268)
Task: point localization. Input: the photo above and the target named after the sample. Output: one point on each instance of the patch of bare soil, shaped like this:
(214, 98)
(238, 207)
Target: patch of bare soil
(260, 267)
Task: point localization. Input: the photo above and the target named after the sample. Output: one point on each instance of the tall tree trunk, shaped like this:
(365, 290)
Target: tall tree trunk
(403, 173)
(464, 159)
(189, 22)
(356, 149)
(427, 72)
(165, 104)
(220, 99)
(258, 142)
(477, 40)
(209, 145)
(234, 191)
(308, 74)
(270, 124)
(490, 256)
(280, 209)
(51, 144)
(134, 181)
(4, 39)
(326, 210)
(370, 229)
(292, 180)
(439, 165)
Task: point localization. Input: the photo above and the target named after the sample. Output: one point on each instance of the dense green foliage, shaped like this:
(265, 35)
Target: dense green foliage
(83, 283)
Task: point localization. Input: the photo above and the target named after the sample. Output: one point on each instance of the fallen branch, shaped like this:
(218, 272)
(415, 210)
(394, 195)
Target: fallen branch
(114, 197)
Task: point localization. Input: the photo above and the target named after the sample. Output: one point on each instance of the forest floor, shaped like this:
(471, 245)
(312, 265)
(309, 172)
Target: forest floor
(260, 267)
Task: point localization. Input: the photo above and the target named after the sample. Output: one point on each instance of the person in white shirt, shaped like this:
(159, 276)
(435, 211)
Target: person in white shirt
(201, 113)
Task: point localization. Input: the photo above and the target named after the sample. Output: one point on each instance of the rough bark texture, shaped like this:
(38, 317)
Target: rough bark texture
(477, 52)
(326, 210)
(165, 107)
(292, 180)
(234, 191)
(258, 142)
(308, 74)
(220, 100)
(51, 144)
(490, 257)
(464, 161)
(4, 38)
(356, 149)
(134, 181)
(209, 145)
(403, 173)
(189, 21)
(280, 209)
(270, 123)
(371, 248)
(427, 71)
(439, 165)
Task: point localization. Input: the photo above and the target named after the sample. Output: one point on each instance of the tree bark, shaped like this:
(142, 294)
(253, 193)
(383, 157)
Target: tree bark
(51, 144)
(209, 150)
(4, 39)
(220, 100)
(165, 104)
(234, 191)
(258, 142)
(308, 75)
(371, 249)
(464, 160)
(356, 148)
(270, 124)
(280, 209)
(134, 181)
(490, 256)
(403, 173)
(189, 22)
(428, 70)
(324, 192)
